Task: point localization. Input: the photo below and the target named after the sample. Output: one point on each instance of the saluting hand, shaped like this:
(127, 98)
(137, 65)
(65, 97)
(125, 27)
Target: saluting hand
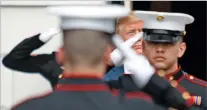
(116, 56)
(47, 35)
(138, 64)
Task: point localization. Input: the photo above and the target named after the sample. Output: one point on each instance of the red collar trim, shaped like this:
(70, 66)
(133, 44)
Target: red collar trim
(168, 75)
(80, 75)
(81, 87)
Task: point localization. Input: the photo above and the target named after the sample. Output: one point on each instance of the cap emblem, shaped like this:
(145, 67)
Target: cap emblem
(160, 17)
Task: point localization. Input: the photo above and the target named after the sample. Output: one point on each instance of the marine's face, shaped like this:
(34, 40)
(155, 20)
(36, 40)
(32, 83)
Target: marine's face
(130, 30)
(163, 55)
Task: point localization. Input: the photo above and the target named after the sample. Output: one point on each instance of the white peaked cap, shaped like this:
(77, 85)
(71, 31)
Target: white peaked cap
(164, 20)
(92, 17)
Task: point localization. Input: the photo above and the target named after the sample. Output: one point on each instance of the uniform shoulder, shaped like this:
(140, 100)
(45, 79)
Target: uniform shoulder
(26, 104)
(196, 80)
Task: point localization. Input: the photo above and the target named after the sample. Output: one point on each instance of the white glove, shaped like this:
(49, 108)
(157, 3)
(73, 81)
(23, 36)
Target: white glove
(138, 64)
(116, 56)
(127, 70)
(47, 35)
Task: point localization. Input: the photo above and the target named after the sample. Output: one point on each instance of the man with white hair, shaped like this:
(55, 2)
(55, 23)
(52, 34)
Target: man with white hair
(127, 27)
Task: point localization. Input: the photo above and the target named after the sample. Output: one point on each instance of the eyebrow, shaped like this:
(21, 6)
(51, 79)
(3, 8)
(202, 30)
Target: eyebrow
(131, 30)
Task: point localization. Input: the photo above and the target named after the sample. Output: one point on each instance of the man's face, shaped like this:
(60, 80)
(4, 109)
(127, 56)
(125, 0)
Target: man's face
(130, 30)
(163, 55)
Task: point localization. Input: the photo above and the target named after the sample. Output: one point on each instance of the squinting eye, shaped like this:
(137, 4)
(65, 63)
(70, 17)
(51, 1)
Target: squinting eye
(131, 33)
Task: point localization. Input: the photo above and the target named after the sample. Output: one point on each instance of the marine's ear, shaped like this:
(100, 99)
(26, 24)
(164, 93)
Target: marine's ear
(60, 56)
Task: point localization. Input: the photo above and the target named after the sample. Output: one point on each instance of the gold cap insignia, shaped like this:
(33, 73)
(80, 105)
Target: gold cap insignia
(160, 17)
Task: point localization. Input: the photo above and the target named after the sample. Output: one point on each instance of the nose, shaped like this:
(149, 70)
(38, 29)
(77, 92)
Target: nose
(159, 48)
(140, 41)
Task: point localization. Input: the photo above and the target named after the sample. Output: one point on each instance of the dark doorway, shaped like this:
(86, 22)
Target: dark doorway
(194, 60)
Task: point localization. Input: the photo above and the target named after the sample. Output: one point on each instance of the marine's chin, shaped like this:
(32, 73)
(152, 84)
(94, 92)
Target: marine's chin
(159, 66)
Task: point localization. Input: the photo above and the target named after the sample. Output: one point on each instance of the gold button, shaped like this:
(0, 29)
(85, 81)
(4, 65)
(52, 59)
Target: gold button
(184, 33)
(161, 73)
(60, 76)
(171, 78)
(186, 95)
(174, 83)
(191, 77)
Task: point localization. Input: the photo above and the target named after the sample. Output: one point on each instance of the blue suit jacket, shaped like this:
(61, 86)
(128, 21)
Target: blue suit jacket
(114, 73)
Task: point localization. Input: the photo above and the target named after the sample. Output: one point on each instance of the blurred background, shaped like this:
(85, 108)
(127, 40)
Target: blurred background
(21, 19)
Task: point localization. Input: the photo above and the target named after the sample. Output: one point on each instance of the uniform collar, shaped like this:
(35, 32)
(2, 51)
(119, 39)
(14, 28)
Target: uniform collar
(176, 75)
(80, 82)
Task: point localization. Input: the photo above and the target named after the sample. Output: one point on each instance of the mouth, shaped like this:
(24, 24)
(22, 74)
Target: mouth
(137, 47)
(159, 58)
